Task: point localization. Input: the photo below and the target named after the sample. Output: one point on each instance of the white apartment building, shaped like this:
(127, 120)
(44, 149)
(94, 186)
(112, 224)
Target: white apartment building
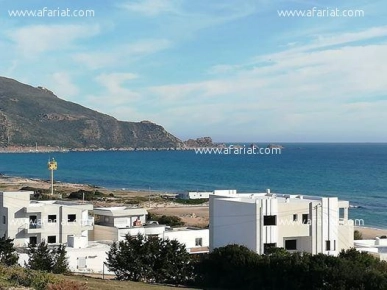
(295, 222)
(29, 221)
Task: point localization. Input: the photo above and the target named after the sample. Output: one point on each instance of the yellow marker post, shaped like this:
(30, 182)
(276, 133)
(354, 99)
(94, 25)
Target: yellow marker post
(52, 165)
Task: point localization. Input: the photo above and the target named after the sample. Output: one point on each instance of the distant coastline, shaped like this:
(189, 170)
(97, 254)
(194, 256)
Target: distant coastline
(49, 149)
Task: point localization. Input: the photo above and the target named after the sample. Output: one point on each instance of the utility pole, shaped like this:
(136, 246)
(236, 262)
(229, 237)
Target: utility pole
(52, 165)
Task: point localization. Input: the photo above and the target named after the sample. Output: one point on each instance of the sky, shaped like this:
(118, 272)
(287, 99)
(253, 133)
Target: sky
(234, 70)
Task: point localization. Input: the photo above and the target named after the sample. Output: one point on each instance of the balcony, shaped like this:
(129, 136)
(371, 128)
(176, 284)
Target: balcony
(34, 227)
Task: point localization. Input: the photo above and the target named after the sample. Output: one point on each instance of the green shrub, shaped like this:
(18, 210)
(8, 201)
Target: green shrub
(191, 201)
(172, 221)
(88, 195)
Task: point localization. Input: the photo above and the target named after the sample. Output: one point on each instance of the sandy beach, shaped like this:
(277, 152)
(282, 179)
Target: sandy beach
(371, 233)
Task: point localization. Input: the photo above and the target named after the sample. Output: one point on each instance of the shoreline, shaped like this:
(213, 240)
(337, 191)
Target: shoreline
(192, 214)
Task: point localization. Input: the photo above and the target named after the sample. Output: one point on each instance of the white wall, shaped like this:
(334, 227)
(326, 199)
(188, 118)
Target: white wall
(188, 237)
(233, 222)
(94, 257)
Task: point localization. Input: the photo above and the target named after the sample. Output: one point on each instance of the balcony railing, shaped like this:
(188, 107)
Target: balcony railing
(35, 225)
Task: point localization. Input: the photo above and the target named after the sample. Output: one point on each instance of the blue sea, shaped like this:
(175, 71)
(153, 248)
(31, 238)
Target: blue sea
(354, 172)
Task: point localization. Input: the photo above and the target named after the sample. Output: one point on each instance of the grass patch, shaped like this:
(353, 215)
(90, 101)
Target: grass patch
(99, 284)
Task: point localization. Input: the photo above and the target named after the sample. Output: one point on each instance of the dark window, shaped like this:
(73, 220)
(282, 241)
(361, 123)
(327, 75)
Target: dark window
(269, 220)
(341, 213)
(52, 218)
(71, 217)
(295, 217)
(305, 218)
(327, 245)
(51, 239)
(33, 221)
(199, 242)
(267, 247)
(33, 241)
(291, 245)
(4, 219)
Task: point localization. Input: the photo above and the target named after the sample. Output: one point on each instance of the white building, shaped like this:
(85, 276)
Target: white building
(114, 223)
(195, 195)
(28, 221)
(376, 247)
(294, 222)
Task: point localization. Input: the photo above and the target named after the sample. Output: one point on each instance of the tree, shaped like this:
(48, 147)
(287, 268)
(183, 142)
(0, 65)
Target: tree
(229, 267)
(42, 258)
(357, 235)
(39, 257)
(8, 255)
(150, 259)
(61, 264)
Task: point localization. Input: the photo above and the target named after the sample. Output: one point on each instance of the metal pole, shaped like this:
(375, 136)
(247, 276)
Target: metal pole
(52, 181)
(103, 271)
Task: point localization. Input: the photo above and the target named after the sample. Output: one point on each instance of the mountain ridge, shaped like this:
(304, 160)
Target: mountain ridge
(30, 115)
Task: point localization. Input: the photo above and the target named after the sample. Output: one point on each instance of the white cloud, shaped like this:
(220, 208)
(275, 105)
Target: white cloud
(36, 39)
(116, 92)
(63, 85)
(122, 54)
(301, 93)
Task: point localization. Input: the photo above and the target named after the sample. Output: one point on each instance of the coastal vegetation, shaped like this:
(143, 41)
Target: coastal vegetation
(237, 267)
(191, 201)
(172, 221)
(150, 260)
(49, 259)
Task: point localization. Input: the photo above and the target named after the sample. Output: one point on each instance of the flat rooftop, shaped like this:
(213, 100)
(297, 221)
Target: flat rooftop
(282, 198)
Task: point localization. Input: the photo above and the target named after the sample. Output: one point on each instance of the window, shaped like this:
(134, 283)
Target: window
(81, 263)
(71, 217)
(267, 247)
(4, 219)
(198, 242)
(33, 241)
(295, 217)
(341, 213)
(305, 219)
(327, 245)
(291, 245)
(52, 218)
(51, 239)
(33, 221)
(269, 220)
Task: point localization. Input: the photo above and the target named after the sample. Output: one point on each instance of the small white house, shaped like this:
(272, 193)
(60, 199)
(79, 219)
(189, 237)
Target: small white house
(195, 195)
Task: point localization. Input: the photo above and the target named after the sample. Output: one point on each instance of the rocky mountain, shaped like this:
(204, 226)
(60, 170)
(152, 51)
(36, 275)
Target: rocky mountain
(30, 115)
